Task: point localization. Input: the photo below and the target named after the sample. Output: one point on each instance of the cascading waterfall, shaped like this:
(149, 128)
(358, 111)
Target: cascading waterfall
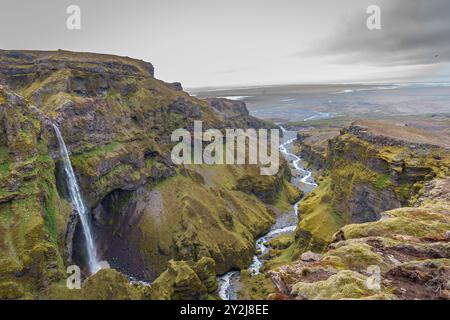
(77, 201)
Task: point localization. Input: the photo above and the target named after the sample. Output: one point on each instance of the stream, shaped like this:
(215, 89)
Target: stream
(284, 224)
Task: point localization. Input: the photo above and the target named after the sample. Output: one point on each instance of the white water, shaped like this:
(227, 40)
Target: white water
(227, 291)
(77, 201)
(285, 224)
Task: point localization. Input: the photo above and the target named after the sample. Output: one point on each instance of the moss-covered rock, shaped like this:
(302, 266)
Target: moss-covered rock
(406, 221)
(33, 217)
(257, 287)
(344, 285)
(407, 251)
(353, 256)
(184, 281)
(11, 290)
(106, 284)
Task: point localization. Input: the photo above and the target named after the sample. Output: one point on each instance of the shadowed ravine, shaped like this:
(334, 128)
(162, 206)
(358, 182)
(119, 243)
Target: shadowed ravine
(285, 224)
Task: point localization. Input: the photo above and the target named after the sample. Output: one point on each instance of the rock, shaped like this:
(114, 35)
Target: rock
(104, 265)
(310, 256)
(228, 108)
(106, 284)
(11, 290)
(181, 282)
(281, 242)
(344, 285)
(176, 86)
(406, 250)
(205, 269)
(235, 113)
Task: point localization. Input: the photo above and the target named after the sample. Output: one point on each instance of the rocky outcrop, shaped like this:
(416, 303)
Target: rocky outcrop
(185, 281)
(268, 188)
(314, 154)
(405, 255)
(33, 218)
(378, 222)
(235, 114)
(365, 173)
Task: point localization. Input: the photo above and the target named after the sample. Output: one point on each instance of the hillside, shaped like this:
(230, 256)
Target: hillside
(382, 204)
(147, 213)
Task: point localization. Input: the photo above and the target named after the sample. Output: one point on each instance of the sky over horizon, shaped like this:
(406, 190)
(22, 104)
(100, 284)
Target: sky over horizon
(231, 43)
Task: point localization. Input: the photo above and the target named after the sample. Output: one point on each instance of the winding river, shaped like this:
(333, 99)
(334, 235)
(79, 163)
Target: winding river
(284, 224)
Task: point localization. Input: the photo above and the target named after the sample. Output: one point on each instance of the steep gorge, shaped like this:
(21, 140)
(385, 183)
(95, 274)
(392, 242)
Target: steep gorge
(116, 120)
(363, 174)
(379, 215)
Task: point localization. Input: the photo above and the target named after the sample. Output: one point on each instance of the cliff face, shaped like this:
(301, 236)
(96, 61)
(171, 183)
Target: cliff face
(364, 173)
(378, 223)
(404, 255)
(116, 119)
(33, 218)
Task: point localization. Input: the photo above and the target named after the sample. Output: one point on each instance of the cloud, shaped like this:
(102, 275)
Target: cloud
(235, 70)
(413, 32)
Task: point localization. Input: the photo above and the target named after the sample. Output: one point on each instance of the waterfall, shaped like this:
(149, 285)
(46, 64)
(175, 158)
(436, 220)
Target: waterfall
(77, 201)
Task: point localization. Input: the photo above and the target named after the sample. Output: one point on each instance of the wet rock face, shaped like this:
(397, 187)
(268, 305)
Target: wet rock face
(367, 202)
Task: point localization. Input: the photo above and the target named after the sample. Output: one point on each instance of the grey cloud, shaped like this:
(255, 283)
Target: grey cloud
(413, 32)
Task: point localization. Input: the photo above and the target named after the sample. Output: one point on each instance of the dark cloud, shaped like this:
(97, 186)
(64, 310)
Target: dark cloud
(413, 32)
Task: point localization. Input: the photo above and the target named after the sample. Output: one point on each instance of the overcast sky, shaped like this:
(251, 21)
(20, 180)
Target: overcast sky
(247, 42)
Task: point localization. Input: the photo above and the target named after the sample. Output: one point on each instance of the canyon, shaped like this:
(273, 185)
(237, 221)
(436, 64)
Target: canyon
(168, 231)
(153, 221)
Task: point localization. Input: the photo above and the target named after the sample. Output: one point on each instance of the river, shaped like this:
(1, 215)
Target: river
(285, 224)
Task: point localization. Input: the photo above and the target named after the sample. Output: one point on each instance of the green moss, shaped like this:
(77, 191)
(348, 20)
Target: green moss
(106, 284)
(406, 221)
(382, 182)
(317, 215)
(181, 282)
(353, 256)
(281, 242)
(2, 97)
(11, 290)
(94, 155)
(344, 285)
(405, 190)
(255, 287)
(200, 214)
(287, 196)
